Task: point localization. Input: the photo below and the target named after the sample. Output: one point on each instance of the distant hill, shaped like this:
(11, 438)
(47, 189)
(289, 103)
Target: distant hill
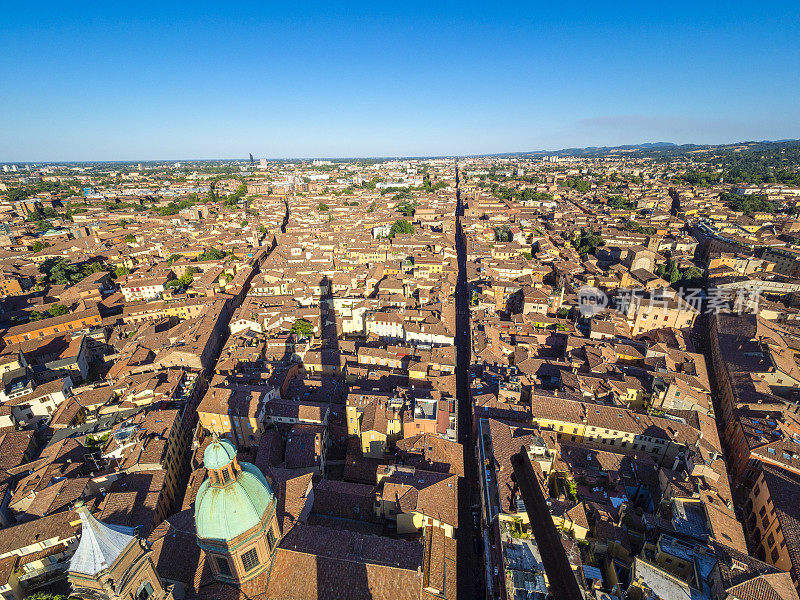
(650, 148)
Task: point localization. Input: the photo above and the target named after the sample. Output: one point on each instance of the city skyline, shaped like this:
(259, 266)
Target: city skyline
(358, 81)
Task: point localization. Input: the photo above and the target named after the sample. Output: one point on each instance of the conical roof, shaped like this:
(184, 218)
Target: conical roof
(99, 547)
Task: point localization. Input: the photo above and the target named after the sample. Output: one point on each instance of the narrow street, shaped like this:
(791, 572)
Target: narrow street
(470, 584)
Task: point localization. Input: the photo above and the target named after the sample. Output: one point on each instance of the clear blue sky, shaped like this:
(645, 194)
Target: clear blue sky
(140, 80)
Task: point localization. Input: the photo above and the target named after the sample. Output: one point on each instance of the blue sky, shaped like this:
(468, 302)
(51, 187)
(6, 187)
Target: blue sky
(132, 81)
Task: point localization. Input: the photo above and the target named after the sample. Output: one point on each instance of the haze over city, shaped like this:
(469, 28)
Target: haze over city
(218, 80)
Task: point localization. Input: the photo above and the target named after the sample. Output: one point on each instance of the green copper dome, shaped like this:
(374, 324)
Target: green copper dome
(222, 513)
(218, 454)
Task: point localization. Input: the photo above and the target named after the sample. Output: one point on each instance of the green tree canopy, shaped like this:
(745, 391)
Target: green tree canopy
(302, 328)
(188, 277)
(401, 226)
(212, 254)
(55, 311)
(406, 207)
(580, 185)
(587, 242)
(749, 204)
(620, 202)
(59, 271)
(502, 233)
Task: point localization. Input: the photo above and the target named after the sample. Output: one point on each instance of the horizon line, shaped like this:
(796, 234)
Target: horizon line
(640, 145)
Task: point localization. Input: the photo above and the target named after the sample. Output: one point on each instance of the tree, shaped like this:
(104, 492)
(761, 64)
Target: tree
(38, 246)
(57, 310)
(58, 271)
(748, 204)
(322, 206)
(669, 271)
(692, 274)
(635, 227)
(571, 490)
(620, 202)
(45, 596)
(401, 226)
(406, 207)
(188, 277)
(93, 267)
(673, 274)
(130, 238)
(587, 242)
(502, 233)
(262, 229)
(580, 185)
(120, 271)
(212, 254)
(302, 328)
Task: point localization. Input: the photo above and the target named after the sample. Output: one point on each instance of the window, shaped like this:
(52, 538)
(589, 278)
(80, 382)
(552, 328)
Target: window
(774, 555)
(226, 477)
(250, 559)
(224, 567)
(771, 540)
(145, 591)
(270, 539)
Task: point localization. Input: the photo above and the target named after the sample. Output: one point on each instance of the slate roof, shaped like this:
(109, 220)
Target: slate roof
(99, 547)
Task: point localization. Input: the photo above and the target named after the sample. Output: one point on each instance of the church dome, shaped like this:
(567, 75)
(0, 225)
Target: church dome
(218, 454)
(233, 499)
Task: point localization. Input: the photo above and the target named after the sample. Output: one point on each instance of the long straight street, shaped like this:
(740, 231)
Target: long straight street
(470, 583)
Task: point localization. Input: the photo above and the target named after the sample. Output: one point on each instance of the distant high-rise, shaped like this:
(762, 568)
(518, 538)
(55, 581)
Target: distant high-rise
(252, 160)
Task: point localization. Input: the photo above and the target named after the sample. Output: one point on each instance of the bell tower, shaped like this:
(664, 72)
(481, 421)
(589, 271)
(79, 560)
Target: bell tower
(111, 564)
